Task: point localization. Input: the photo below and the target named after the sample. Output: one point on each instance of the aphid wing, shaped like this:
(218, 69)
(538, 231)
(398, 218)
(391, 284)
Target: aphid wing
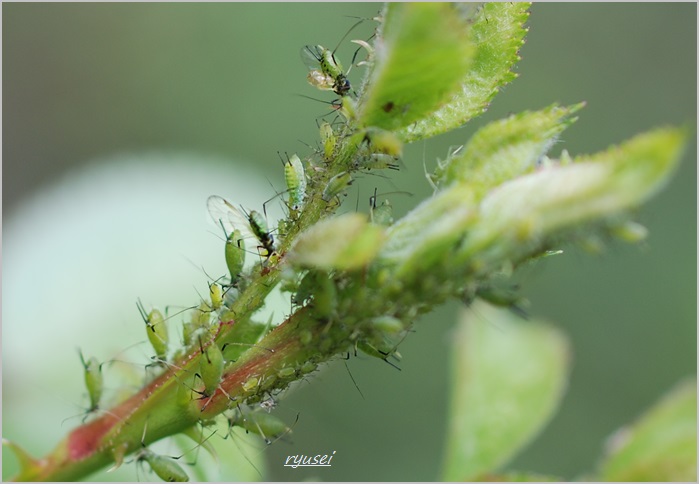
(311, 55)
(224, 213)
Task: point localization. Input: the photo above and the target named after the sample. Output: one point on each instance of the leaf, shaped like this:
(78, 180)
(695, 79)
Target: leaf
(346, 242)
(420, 58)
(508, 377)
(498, 34)
(521, 215)
(506, 148)
(661, 445)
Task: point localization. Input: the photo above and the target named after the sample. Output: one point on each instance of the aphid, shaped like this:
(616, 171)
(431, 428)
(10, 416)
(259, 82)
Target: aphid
(251, 384)
(325, 297)
(330, 76)
(336, 185)
(263, 424)
(382, 354)
(381, 141)
(235, 254)
(215, 296)
(201, 317)
(251, 224)
(387, 324)
(327, 137)
(268, 404)
(164, 467)
(93, 380)
(295, 177)
(326, 72)
(210, 367)
(381, 214)
(156, 330)
(376, 161)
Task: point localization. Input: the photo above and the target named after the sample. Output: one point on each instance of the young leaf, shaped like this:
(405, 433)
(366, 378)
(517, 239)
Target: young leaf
(522, 214)
(345, 242)
(508, 378)
(505, 149)
(661, 446)
(498, 34)
(422, 55)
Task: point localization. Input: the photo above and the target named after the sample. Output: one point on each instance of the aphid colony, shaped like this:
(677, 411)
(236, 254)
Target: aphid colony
(247, 232)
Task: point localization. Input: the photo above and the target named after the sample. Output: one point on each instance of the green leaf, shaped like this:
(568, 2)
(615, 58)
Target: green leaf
(498, 34)
(661, 446)
(423, 53)
(508, 378)
(346, 242)
(521, 215)
(505, 149)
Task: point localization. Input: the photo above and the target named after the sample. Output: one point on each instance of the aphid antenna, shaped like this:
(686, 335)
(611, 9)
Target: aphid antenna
(287, 432)
(345, 36)
(336, 106)
(235, 441)
(352, 377)
(86, 412)
(374, 197)
(315, 149)
(251, 345)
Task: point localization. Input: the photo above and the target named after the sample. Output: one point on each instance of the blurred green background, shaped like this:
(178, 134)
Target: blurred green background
(211, 89)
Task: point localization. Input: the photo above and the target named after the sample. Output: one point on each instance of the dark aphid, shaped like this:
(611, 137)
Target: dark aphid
(251, 224)
(326, 71)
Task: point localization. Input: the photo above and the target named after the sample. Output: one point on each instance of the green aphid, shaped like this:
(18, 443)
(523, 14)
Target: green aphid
(325, 297)
(295, 177)
(93, 380)
(211, 367)
(245, 333)
(305, 288)
(336, 186)
(155, 329)
(235, 255)
(381, 214)
(263, 424)
(382, 141)
(200, 320)
(387, 324)
(164, 467)
(286, 372)
(328, 139)
(215, 296)
(251, 384)
(382, 353)
(376, 161)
